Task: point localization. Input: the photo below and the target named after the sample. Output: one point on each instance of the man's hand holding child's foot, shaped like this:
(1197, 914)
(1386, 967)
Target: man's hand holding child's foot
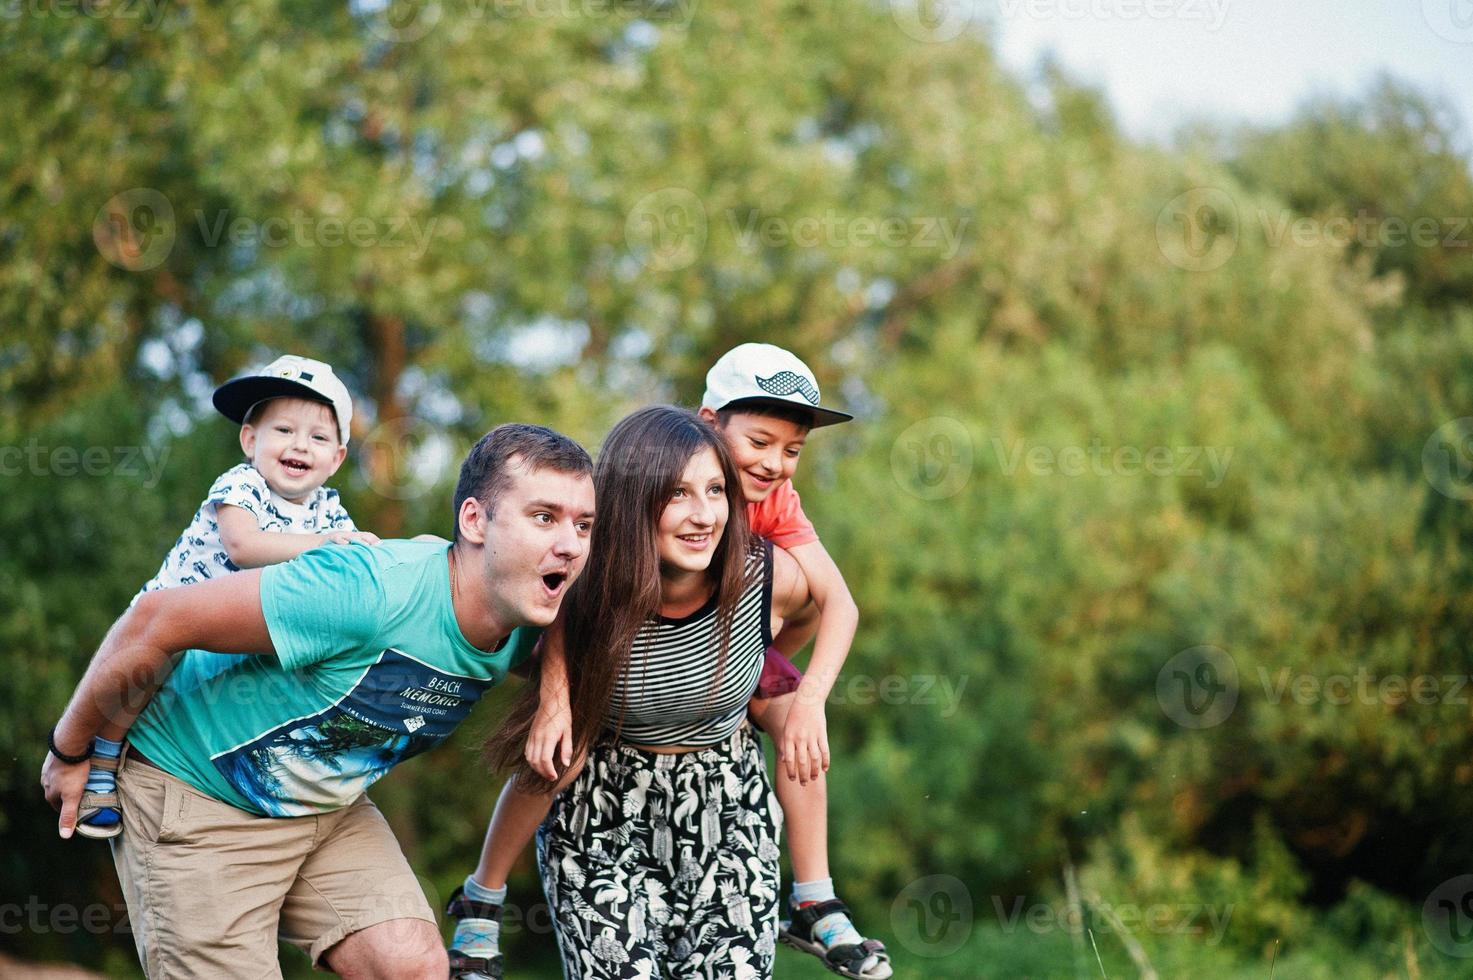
(98, 815)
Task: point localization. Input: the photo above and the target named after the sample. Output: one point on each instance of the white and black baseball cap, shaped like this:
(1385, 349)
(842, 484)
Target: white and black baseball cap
(763, 374)
(289, 376)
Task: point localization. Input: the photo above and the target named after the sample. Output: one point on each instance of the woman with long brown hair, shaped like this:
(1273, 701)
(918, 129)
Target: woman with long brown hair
(661, 855)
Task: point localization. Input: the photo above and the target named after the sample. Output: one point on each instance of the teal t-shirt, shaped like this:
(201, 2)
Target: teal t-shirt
(370, 669)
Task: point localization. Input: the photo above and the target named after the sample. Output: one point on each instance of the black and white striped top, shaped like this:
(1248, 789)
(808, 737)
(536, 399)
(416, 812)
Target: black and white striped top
(667, 695)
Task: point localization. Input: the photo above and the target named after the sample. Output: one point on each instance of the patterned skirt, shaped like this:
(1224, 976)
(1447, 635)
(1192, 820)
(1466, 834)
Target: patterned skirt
(665, 865)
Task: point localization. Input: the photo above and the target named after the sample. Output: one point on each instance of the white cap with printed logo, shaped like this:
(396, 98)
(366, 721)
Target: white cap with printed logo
(758, 374)
(289, 376)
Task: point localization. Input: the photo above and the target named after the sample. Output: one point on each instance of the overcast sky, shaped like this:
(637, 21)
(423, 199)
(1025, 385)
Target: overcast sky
(1163, 60)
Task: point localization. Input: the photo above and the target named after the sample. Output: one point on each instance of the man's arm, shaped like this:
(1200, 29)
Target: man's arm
(223, 615)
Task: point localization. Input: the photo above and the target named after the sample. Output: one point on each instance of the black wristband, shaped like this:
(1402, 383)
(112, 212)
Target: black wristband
(70, 760)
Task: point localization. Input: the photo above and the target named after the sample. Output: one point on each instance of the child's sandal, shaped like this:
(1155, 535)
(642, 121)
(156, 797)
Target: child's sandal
(846, 959)
(91, 804)
(463, 966)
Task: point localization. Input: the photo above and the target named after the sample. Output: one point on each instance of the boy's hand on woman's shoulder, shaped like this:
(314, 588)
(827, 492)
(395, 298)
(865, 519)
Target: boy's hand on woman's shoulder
(804, 747)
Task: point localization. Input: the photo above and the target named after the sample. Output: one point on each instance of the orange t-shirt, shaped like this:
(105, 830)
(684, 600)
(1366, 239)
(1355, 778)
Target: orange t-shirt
(780, 518)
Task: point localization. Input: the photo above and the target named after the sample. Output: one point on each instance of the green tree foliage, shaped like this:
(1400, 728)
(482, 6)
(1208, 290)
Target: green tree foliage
(1087, 444)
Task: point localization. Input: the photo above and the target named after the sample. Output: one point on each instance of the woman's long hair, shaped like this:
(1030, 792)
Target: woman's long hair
(641, 462)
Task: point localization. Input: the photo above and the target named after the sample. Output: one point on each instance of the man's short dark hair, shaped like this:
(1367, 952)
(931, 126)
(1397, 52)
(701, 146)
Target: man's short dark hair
(487, 470)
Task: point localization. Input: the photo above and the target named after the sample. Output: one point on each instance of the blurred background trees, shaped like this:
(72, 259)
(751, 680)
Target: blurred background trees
(1125, 411)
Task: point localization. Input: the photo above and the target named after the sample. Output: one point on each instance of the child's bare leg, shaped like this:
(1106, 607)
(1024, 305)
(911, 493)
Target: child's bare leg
(513, 824)
(805, 808)
(477, 942)
(806, 819)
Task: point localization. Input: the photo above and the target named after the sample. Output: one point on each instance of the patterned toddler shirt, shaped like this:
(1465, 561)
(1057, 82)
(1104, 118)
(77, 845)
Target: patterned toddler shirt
(198, 555)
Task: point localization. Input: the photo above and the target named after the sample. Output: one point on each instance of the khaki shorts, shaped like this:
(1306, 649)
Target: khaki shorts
(211, 889)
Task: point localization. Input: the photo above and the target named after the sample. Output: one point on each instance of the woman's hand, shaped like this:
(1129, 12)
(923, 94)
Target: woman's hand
(551, 736)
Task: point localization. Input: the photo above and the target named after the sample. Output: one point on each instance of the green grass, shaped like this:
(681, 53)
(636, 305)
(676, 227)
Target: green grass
(990, 952)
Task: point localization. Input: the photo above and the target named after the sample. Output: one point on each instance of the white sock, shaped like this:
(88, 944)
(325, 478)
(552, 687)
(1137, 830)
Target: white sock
(479, 937)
